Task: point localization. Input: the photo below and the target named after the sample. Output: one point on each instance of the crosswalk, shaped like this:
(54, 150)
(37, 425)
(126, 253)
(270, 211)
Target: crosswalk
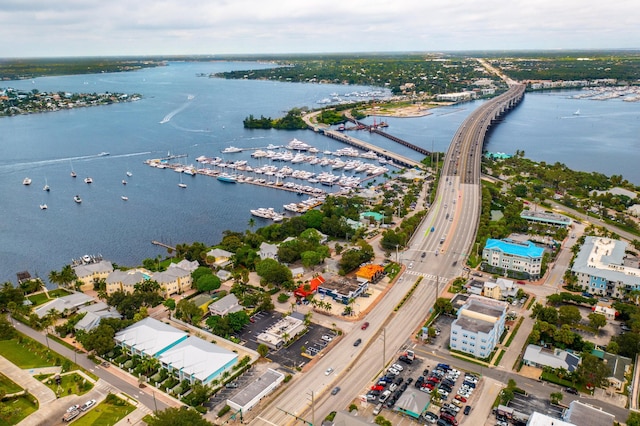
(430, 277)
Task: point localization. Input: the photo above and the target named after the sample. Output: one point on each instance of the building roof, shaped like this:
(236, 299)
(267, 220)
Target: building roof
(150, 336)
(554, 359)
(539, 419)
(170, 275)
(72, 301)
(198, 358)
(186, 265)
(413, 402)
(314, 284)
(217, 252)
(604, 258)
(473, 324)
(546, 217)
(92, 319)
(344, 418)
(86, 270)
(257, 387)
(526, 249)
(618, 365)
(227, 304)
(128, 278)
(369, 271)
(585, 414)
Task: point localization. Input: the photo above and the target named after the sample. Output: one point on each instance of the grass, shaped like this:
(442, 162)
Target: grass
(19, 407)
(531, 302)
(40, 298)
(502, 352)
(70, 384)
(27, 354)
(514, 332)
(469, 359)
(105, 414)
(552, 378)
(7, 385)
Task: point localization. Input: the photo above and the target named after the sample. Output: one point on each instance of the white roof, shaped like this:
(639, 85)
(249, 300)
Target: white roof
(71, 302)
(538, 419)
(185, 264)
(170, 275)
(150, 336)
(198, 358)
(86, 270)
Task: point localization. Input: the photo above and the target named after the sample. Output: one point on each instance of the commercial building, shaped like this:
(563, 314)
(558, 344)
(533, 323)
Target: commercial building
(500, 289)
(251, 394)
(282, 331)
(522, 257)
(370, 273)
(539, 357)
(309, 288)
(580, 414)
(413, 403)
(603, 268)
(343, 289)
(539, 419)
(479, 325)
(546, 218)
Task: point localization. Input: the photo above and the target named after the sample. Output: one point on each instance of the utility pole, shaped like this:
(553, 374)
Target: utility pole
(384, 346)
(437, 285)
(313, 410)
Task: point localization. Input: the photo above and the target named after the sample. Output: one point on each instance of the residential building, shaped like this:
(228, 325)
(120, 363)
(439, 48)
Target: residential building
(523, 257)
(64, 305)
(251, 394)
(546, 218)
(580, 414)
(94, 314)
(620, 366)
(124, 280)
(227, 305)
(149, 337)
(501, 289)
(606, 309)
(537, 356)
(479, 326)
(603, 268)
(185, 264)
(90, 272)
(282, 331)
(174, 280)
(221, 258)
(268, 251)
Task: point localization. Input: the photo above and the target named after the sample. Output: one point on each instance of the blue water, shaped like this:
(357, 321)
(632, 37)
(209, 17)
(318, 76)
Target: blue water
(202, 116)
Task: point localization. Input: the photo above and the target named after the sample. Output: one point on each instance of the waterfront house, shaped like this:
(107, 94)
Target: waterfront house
(268, 251)
(221, 258)
(90, 272)
(64, 305)
(173, 281)
(124, 280)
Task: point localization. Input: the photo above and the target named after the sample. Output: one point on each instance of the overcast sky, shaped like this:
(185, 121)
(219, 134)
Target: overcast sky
(34, 28)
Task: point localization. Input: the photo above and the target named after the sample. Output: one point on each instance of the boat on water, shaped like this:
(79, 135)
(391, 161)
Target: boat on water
(77, 199)
(124, 197)
(227, 178)
(182, 185)
(26, 181)
(73, 173)
(43, 207)
(124, 182)
(577, 112)
(129, 174)
(103, 154)
(231, 149)
(88, 180)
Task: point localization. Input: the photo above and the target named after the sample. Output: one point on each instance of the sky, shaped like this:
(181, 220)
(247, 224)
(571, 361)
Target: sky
(52, 28)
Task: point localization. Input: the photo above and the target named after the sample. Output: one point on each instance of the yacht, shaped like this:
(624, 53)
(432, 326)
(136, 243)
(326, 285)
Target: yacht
(43, 207)
(124, 198)
(129, 174)
(124, 182)
(88, 180)
(231, 149)
(77, 199)
(26, 181)
(266, 213)
(227, 178)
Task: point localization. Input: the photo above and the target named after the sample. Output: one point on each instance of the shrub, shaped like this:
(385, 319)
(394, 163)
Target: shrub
(224, 411)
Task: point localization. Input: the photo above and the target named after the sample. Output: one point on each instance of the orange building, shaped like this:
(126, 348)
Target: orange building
(312, 287)
(370, 273)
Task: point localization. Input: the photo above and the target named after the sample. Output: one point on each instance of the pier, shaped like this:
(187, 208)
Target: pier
(376, 129)
(167, 246)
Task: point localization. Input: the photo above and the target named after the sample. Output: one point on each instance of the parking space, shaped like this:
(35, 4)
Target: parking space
(527, 404)
(443, 324)
(230, 389)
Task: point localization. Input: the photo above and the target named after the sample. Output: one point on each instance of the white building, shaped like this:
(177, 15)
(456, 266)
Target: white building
(512, 255)
(227, 305)
(282, 331)
(479, 326)
(251, 394)
(603, 268)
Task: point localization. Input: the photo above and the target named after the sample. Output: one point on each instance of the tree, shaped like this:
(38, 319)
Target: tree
(556, 397)
(271, 271)
(7, 331)
(506, 395)
(597, 320)
(187, 311)
(564, 335)
(569, 315)
(208, 283)
(592, 370)
(170, 304)
(443, 305)
(178, 417)
(633, 419)
(263, 350)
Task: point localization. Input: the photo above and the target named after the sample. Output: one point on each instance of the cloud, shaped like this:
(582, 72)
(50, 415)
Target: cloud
(119, 27)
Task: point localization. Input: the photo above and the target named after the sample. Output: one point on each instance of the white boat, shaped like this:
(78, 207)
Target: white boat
(182, 185)
(26, 181)
(77, 199)
(266, 213)
(88, 180)
(43, 207)
(73, 173)
(577, 112)
(124, 197)
(231, 149)
(46, 187)
(124, 182)
(129, 174)
(103, 154)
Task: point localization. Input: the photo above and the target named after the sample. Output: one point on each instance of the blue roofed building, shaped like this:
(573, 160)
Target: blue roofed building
(524, 258)
(603, 267)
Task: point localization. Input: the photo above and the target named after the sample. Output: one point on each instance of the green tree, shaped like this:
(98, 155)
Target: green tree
(188, 311)
(506, 395)
(569, 315)
(178, 417)
(556, 397)
(208, 283)
(263, 350)
(170, 304)
(633, 419)
(564, 335)
(597, 320)
(592, 370)
(271, 271)
(443, 305)
(7, 331)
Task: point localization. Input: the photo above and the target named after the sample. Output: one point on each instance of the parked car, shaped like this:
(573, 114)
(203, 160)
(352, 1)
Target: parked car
(461, 398)
(328, 371)
(327, 338)
(425, 372)
(393, 371)
(377, 410)
(405, 359)
(90, 403)
(377, 388)
(385, 395)
(572, 390)
(397, 367)
(430, 415)
(398, 380)
(335, 390)
(73, 408)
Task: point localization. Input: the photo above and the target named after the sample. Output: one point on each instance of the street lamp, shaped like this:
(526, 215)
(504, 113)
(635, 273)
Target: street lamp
(397, 245)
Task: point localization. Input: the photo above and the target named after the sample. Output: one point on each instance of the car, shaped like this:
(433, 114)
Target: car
(106, 364)
(446, 388)
(469, 384)
(443, 422)
(90, 403)
(327, 338)
(456, 403)
(393, 387)
(377, 410)
(461, 398)
(423, 255)
(371, 397)
(411, 265)
(405, 359)
(385, 395)
(443, 392)
(364, 326)
(73, 408)
(425, 372)
(328, 371)
(454, 371)
(393, 371)
(467, 410)
(357, 342)
(419, 381)
(625, 327)
(448, 382)
(252, 320)
(429, 416)
(444, 366)
(452, 407)
(572, 390)
(502, 423)
(231, 385)
(374, 393)
(434, 379)
(377, 388)
(398, 380)
(425, 390)
(335, 390)
(448, 417)
(397, 367)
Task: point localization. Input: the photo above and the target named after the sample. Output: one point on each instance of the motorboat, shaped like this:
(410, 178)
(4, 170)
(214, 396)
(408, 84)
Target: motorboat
(129, 174)
(227, 178)
(124, 182)
(26, 181)
(46, 187)
(77, 199)
(124, 198)
(103, 154)
(88, 180)
(231, 149)
(43, 207)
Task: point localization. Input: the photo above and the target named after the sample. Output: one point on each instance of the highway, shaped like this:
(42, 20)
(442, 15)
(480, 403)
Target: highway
(444, 237)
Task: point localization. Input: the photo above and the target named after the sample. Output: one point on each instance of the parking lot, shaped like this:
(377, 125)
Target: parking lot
(290, 356)
(442, 323)
(527, 404)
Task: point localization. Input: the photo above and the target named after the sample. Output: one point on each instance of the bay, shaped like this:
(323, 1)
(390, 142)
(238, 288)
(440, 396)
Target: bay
(185, 114)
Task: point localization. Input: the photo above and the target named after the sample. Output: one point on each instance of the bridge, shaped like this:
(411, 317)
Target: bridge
(376, 130)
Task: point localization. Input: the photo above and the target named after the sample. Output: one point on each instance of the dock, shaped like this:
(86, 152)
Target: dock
(167, 246)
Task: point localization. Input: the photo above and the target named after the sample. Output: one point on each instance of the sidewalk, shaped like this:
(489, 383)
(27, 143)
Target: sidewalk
(25, 380)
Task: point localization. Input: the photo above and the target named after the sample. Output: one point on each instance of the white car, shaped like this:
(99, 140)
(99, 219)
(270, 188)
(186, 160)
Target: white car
(90, 403)
(327, 338)
(443, 392)
(393, 371)
(73, 408)
(397, 367)
(328, 371)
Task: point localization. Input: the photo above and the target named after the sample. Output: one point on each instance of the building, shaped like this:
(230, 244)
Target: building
(345, 418)
(174, 280)
(197, 360)
(297, 272)
(124, 280)
(539, 419)
(251, 394)
(619, 365)
(603, 268)
(370, 273)
(64, 305)
(149, 337)
(523, 257)
(282, 331)
(539, 357)
(268, 251)
(94, 314)
(227, 305)
(185, 264)
(309, 288)
(221, 258)
(546, 218)
(413, 402)
(501, 289)
(88, 273)
(606, 309)
(580, 414)
(479, 326)
(343, 289)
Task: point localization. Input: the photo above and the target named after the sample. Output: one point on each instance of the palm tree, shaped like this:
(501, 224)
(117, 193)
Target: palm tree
(251, 223)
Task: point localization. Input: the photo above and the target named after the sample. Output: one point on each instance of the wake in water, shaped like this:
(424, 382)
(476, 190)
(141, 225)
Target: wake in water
(167, 118)
(32, 164)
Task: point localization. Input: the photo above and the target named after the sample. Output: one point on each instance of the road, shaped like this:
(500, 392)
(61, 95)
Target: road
(445, 236)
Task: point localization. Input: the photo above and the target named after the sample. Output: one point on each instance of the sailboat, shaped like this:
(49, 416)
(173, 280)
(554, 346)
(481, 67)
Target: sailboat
(577, 112)
(182, 185)
(73, 173)
(46, 186)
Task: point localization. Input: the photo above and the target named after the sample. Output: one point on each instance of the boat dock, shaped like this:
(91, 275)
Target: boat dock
(167, 246)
